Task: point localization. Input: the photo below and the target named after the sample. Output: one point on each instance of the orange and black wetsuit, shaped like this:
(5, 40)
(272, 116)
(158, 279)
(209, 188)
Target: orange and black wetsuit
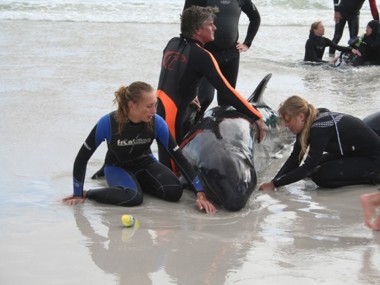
(223, 47)
(184, 63)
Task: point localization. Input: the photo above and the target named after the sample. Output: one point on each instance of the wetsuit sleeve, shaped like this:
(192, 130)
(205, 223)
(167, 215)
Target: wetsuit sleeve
(101, 132)
(189, 3)
(205, 63)
(254, 21)
(319, 138)
(165, 139)
(374, 11)
(291, 163)
(330, 43)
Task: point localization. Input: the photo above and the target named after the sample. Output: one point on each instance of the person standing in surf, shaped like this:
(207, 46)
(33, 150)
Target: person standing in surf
(130, 168)
(226, 47)
(333, 149)
(184, 63)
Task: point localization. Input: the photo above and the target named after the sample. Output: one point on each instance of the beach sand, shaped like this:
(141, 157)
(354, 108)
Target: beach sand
(58, 78)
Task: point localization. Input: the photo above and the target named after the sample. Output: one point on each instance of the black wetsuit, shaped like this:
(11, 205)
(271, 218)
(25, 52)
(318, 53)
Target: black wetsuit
(343, 150)
(315, 47)
(369, 47)
(184, 63)
(130, 168)
(350, 11)
(223, 47)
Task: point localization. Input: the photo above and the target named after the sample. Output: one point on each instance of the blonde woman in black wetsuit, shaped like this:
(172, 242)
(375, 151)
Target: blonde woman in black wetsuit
(130, 168)
(316, 44)
(340, 149)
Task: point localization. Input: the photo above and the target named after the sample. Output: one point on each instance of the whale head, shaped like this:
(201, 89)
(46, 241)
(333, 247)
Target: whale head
(222, 149)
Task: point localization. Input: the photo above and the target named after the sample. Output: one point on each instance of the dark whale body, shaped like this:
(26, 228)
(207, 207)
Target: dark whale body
(223, 150)
(373, 121)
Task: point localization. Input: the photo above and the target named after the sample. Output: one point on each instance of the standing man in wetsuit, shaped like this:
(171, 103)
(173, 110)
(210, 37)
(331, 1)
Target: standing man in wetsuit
(349, 11)
(226, 48)
(184, 63)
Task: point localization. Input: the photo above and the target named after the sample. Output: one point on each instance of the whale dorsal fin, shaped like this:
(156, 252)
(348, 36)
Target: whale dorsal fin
(256, 96)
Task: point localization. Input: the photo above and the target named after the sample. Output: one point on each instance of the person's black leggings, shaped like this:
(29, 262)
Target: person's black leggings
(126, 188)
(337, 171)
(353, 27)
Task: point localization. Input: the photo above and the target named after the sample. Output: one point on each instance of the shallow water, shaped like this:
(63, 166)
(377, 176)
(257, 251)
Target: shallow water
(58, 78)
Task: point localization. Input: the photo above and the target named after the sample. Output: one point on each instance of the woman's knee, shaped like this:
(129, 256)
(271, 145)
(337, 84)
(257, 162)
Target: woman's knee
(161, 182)
(167, 192)
(119, 196)
(135, 200)
(323, 179)
(173, 193)
(322, 182)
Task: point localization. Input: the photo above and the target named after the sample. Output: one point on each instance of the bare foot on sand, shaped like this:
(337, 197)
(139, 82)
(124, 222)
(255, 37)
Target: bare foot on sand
(369, 204)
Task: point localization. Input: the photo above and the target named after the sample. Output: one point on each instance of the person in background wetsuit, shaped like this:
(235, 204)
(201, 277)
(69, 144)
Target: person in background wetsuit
(130, 168)
(349, 11)
(333, 149)
(184, 63)
(369, 46)
(226, 47)
(316, 44)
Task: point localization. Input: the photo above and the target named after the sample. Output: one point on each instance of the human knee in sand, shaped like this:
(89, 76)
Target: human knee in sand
(369, 204)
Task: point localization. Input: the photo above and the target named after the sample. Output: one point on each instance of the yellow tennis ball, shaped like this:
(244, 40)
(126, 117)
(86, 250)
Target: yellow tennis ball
(128, 220)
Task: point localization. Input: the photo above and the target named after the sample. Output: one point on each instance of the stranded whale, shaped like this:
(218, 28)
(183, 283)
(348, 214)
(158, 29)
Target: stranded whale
(222, 149)
(373, 121)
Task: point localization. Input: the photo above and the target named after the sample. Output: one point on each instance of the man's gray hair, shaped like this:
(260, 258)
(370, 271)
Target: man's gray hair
(194, 17)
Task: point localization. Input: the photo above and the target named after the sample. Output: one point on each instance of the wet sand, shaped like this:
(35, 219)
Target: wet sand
(57, 79)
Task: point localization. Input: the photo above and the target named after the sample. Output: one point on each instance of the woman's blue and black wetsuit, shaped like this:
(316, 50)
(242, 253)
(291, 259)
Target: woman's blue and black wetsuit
(184, 63)
(343, 150)
(130, 167)
(223, 48)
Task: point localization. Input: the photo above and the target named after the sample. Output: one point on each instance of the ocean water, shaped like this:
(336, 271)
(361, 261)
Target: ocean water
(278, 47)
(274, 12)
(61, 61)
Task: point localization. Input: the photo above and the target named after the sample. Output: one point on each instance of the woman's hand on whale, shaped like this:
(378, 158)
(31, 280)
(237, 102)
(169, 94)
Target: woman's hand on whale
(204, 204)
(266, 186)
